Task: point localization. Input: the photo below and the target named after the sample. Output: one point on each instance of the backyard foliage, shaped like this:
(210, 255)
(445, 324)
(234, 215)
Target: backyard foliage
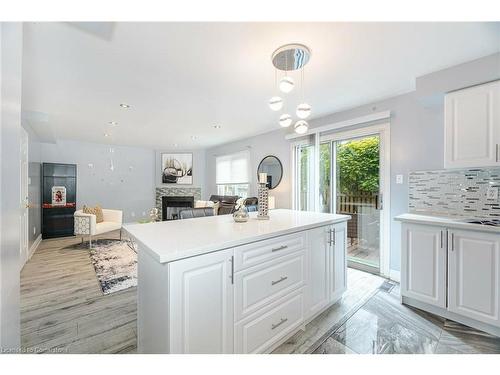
(358, 165)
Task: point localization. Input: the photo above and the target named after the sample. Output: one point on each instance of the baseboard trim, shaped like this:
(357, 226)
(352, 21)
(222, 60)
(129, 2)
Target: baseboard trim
(34, 246)
(395, 275)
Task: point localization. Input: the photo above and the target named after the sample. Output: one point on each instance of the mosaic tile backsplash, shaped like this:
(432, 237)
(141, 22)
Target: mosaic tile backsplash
(454, 192)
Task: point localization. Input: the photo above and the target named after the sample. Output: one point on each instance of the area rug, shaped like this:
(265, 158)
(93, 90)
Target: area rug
(115, 264)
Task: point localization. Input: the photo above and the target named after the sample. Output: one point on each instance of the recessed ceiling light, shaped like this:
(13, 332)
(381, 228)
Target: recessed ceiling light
(106, 134)
(217, 126)
(175, 145)
(124, 105)
(113, 123)
(193, 137)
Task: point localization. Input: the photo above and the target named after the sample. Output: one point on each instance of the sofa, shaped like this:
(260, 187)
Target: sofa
(227, 203)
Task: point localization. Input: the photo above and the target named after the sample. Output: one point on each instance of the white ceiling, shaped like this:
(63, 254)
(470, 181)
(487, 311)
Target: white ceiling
(182, 78)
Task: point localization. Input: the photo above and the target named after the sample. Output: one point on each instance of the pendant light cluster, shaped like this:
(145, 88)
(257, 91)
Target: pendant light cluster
(288, 58)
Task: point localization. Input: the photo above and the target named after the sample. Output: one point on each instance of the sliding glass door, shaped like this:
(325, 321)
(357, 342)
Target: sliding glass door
(357, 162)
(351, 182)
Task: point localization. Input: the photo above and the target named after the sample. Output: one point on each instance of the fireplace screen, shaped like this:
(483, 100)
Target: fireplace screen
(171, 206)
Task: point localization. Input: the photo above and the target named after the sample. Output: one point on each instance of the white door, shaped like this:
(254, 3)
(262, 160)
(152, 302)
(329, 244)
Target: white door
(318, 268)
(472, 127)
(423, 263)
(338, 262)
(24, 245)
(474, 275)
(201, 304)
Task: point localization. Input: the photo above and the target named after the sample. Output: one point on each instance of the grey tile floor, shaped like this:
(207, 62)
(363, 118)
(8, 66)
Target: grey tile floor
(382, 325)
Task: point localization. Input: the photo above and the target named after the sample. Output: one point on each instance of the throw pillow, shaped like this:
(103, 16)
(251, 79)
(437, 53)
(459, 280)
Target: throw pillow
(97, 211)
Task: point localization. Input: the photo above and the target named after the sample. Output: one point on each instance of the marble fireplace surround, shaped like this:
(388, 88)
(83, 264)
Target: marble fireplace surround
(175, 191)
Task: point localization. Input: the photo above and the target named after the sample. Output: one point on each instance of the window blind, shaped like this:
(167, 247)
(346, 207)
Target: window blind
(233, 168)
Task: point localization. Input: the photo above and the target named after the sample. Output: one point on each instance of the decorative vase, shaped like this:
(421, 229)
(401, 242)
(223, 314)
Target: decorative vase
(263, 204)
(241, 215)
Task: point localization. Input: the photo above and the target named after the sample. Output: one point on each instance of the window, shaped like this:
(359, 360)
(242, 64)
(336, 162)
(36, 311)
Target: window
(233, 174)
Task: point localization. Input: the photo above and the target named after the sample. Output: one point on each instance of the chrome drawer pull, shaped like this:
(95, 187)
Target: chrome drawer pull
(283, 278)
(283, 320)
(279, 248)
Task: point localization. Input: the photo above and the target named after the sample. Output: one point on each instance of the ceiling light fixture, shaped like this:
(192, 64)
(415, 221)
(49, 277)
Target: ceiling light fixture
(285, 120)
(217, 126)
(106, 134)
(113, 123)
(288, 58)
(193, 137)
(124, 105)
(301, 127)
(275, 103)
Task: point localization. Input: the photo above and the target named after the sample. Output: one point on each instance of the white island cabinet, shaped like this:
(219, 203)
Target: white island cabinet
(210, 285)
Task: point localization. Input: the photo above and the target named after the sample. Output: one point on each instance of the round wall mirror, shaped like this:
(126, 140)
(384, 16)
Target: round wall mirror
(274, 169)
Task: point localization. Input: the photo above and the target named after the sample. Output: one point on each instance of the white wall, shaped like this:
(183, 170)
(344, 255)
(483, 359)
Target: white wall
(260, 146)
(10, 78)
(129, 187)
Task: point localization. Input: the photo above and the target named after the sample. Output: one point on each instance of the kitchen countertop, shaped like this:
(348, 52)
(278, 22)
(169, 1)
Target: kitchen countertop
(168, 241)
(449, 222)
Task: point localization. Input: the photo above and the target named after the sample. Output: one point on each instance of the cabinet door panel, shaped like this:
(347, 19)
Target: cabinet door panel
(472, 126)
(201, 304)
(318, 249)
(338, 262)
(423, 264)
(474, 271)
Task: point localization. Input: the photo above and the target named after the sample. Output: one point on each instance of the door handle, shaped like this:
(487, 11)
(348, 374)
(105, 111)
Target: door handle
(379, 202)
(232, 269)
(441, 239)
(497, 152)
(452, 241)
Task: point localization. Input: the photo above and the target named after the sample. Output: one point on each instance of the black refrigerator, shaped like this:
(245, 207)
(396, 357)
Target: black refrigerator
(58, 199)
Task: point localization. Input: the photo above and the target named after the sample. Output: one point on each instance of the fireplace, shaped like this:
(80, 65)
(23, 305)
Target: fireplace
(172, 205)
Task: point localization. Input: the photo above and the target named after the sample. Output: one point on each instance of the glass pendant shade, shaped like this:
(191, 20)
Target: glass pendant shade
(275, 103)
(301, 127)
(285, 120)
(303, 110)
(286, 84)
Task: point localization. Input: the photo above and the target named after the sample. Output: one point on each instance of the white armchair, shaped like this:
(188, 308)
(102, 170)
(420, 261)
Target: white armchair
(86, 225)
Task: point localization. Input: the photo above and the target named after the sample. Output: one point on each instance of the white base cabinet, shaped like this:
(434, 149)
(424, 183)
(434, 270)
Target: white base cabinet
(327, 267)
(246, 299)
(474, 275)
(454, 270)
(423, 263)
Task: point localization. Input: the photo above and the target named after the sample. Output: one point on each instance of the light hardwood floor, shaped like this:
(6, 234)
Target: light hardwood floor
(63, 309)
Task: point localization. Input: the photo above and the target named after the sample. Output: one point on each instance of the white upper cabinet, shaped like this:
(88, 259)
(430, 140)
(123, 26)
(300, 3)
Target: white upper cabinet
(423, 263)
(474, 275)
(472, 127)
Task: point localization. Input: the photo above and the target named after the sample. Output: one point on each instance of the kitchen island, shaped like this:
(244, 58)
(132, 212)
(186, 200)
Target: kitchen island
(210, 285)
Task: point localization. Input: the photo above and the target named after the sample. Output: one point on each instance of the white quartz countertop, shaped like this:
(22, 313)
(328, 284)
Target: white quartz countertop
(449, 222)
(168, 241)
